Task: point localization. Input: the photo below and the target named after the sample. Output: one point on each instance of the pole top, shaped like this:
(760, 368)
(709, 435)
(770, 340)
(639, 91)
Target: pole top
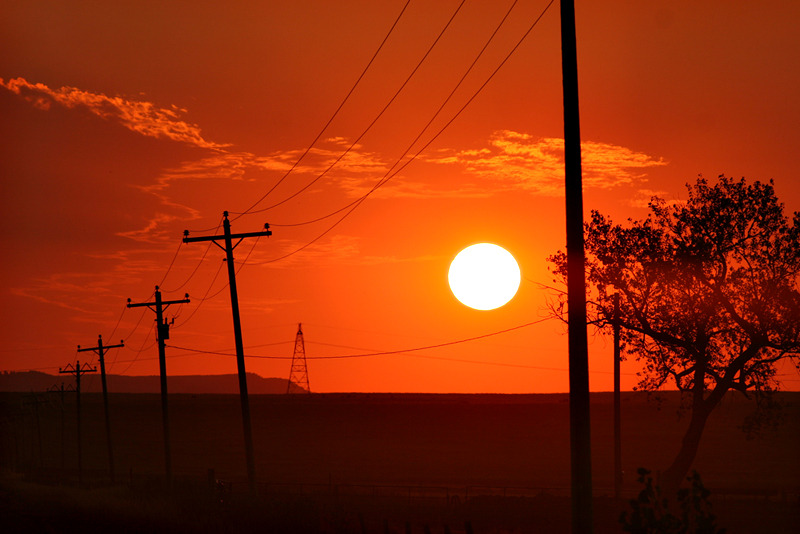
(225, 214)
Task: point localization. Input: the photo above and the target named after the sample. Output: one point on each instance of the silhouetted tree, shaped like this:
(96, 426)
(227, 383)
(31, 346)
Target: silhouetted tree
(709, 296)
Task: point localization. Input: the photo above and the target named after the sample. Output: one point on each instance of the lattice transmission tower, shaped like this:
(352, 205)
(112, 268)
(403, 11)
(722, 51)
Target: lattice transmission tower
(298, 377)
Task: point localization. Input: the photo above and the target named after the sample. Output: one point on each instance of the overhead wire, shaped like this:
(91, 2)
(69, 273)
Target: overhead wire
(202, 258)
(355, 204)
(381, 182)
(205, 297)
(142, 349)
(171, 263)
(371, 124)
(327, 124)
(405, 352)
(424, 129)
(383, 353)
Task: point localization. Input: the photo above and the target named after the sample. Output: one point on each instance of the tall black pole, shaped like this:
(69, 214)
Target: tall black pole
(101, 350)
(617, 406)
(109, 442)
(580, 435)
(163, 335)
(162, 369)
(78, 423)
(237, 332)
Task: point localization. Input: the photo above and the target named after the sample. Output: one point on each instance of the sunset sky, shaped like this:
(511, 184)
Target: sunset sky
(123, 124)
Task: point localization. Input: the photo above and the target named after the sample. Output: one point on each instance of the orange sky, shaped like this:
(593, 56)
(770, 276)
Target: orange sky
(125, 123)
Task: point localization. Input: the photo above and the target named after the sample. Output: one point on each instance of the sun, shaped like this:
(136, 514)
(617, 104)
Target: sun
(484, 276)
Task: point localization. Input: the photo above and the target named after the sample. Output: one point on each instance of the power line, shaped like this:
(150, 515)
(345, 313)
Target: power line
(171, 263)
(141, 349)
(205, 297)
(383, 353)
(335, 113)
(355, 204)
(421, 133)
(375, 120)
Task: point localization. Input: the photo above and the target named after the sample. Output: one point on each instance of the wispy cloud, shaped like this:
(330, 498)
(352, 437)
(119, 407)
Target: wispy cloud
(140, 116)
(520, 160)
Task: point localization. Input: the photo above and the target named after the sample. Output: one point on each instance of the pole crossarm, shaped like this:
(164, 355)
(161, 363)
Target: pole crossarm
(77, 370)
(164, 303)
(186, 239)
(103, 347)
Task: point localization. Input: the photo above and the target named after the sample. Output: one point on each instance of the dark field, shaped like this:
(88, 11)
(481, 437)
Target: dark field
(411, 451)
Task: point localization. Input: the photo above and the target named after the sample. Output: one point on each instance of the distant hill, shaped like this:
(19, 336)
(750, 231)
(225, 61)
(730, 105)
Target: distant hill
(196, 384)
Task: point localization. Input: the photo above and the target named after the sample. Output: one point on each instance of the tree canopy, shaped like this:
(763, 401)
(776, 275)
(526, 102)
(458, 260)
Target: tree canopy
(708, 290)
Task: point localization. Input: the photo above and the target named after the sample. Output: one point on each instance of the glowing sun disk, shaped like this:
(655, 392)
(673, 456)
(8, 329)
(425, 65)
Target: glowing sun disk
(484, 276)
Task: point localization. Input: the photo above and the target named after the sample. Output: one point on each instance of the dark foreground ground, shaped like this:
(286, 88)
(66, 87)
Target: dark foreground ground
(326, 463)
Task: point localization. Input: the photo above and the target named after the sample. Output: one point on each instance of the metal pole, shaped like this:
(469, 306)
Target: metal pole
(617, 406)
(237, 333)
(580, 434)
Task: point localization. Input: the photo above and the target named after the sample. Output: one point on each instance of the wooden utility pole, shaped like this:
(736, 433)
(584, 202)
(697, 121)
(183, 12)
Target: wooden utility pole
(228, 238)
(77, 370)
(617, 406)
(579, 414)
(100, 350)
(163, 335)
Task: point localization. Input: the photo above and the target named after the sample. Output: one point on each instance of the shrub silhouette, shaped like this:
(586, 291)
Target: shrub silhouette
(650, 512)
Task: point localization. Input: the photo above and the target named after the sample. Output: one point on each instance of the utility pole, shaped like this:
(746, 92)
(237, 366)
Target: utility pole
(228, 238)
(100, 350)
(163, 335)
(617, 406)
(579, 414)
(78, 370)
(298, 375)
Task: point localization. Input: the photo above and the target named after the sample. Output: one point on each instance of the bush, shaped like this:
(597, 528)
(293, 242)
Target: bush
(650, 512)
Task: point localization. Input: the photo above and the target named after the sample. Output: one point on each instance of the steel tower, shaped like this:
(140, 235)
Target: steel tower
(298, 377)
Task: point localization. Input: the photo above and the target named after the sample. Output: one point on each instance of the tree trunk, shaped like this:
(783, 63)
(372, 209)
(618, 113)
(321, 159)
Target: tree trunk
(672, 478)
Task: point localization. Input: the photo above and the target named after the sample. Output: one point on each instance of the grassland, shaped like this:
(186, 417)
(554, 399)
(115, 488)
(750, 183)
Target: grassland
(478, 447)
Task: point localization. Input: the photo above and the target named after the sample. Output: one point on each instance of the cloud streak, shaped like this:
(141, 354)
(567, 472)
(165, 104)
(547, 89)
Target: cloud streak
(139, 116)
(521, 161)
